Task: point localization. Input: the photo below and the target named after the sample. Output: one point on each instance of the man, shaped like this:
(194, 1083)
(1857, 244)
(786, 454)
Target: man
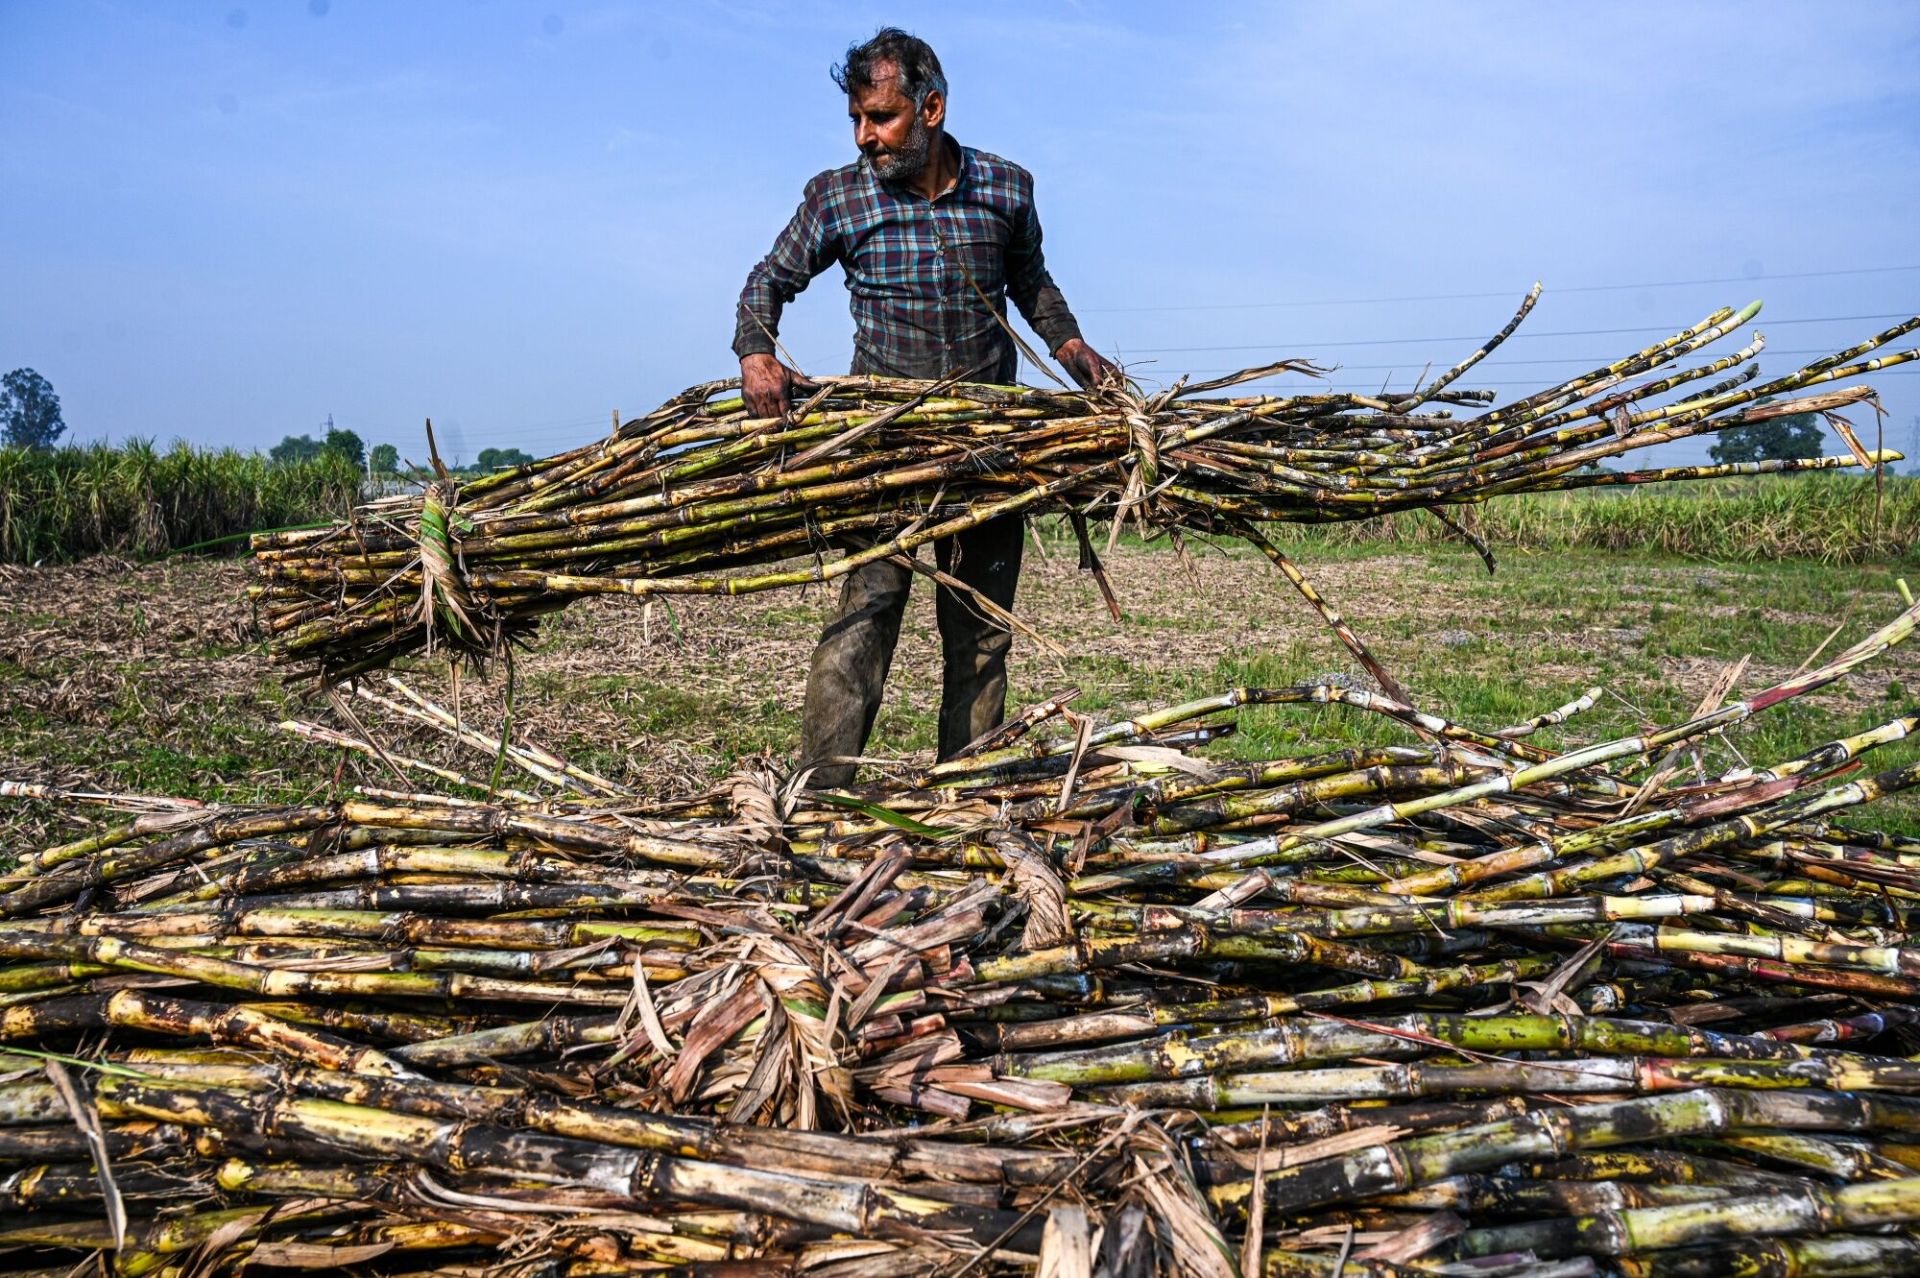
(918, 223)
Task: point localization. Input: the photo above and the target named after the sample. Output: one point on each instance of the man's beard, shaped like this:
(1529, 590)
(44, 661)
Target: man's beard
(905, 164)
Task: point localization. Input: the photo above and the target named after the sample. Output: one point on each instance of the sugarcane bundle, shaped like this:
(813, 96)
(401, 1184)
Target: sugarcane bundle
(1454, 1002)
(697, 497)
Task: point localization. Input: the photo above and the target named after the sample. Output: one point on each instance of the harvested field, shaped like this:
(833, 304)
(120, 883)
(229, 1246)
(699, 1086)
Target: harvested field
(141, 677)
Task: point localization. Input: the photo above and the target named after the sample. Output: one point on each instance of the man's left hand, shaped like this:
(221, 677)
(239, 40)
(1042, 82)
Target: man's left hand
(1086, 365)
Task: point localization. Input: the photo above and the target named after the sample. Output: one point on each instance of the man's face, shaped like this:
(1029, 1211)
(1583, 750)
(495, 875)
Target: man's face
(892, 136)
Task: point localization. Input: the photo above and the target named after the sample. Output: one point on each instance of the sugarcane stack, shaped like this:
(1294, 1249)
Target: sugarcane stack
(698, 497)
(1078, 1001)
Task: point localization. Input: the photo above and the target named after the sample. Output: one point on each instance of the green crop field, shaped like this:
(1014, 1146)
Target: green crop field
(147, 678)
(61, 504)
(1832, 518)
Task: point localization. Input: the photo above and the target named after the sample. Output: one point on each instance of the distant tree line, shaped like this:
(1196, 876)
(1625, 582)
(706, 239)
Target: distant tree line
(301, 448)
(384, 459)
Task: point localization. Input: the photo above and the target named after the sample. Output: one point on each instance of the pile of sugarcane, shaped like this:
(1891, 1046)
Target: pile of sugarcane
(698, 497)
(1074, 1002)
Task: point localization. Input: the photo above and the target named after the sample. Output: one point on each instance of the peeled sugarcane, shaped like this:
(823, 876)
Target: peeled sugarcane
(1465, 1002)
(696, 497)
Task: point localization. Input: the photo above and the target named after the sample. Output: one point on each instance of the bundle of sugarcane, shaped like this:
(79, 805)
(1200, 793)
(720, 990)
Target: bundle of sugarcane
(1461, 1004)
(697, 497)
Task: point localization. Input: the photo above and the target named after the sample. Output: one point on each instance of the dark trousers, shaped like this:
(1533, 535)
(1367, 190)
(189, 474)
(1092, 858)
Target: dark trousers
(848, 673)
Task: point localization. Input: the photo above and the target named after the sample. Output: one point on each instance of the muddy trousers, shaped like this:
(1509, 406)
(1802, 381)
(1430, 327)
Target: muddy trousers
(849, 670)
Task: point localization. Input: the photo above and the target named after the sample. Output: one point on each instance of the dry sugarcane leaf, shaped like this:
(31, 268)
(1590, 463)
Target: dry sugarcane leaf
(1066, 1247)
(956, 921)
(87, 1119)
(978, 1082)
(1844, 428)
(302, 1255)
(707, 1034)
(1199, 1248)
(772, 1068)
(1417, 1240)
(1082, 732)
(755, 794)
(833, 1251)
(209, 1255)
(1548, 997)
(1338, 1145)
(866, 1260)
(1723, 684)
(1124, 1246)
(1165, 756)
(1039, 885)
(880, 873)
(1256, 1230)
(875, 988)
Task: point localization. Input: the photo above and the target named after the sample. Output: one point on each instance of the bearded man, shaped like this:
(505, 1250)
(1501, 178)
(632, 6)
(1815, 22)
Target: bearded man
(923, 228)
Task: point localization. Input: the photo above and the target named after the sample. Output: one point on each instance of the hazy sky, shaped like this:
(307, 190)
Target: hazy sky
(224, 221)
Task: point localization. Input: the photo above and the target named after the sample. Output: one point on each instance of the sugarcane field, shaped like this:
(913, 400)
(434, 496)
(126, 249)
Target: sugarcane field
(1319, 758)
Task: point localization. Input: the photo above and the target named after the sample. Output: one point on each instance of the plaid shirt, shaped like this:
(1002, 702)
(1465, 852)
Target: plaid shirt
(907, 259)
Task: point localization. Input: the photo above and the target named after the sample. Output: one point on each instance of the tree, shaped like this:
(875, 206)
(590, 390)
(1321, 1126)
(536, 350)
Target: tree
(347, 444)
(294, 449)
(304, 448)
(1796, 435)
(492, 459)
(384, 459)
(29, 410)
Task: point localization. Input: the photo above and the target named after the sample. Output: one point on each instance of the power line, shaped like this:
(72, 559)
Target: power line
(1481, 337)
(1497, 361)
(1374, 388)
(1462, 297)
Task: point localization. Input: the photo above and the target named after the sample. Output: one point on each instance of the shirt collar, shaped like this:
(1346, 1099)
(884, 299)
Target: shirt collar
(962, 170)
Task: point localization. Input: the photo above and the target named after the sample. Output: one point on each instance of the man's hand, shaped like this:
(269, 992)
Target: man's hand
(1088, 367)
(767, 385)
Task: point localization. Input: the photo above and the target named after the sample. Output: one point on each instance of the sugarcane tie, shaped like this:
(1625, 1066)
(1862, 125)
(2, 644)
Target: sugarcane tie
(443, 586)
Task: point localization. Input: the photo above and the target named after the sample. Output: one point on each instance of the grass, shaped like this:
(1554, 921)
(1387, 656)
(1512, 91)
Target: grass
(1831, 518)
(145, 679)
(61, 504)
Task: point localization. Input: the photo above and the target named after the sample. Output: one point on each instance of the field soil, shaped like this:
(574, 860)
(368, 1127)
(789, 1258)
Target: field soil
(148, 678)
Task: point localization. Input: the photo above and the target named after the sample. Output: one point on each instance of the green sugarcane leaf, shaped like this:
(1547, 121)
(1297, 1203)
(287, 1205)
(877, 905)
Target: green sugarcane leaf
(78, 1062)
(886, 816)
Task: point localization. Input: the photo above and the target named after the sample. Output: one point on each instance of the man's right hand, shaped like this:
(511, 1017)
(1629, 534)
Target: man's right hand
(767, 385)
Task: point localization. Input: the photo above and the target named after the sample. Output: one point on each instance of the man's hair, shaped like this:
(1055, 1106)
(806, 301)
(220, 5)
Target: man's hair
(913, 59)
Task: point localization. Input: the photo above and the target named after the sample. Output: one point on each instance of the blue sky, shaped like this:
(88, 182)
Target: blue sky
(224, 221)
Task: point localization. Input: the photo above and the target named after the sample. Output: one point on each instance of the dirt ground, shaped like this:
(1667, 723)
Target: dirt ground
(149, 678)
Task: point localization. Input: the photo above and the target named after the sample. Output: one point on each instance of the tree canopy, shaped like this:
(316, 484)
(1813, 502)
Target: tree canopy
(491, 459)
(302, 448)
(29, 410)
(295, 448)
(347, 444)
(1777, 438)
(384, 459)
